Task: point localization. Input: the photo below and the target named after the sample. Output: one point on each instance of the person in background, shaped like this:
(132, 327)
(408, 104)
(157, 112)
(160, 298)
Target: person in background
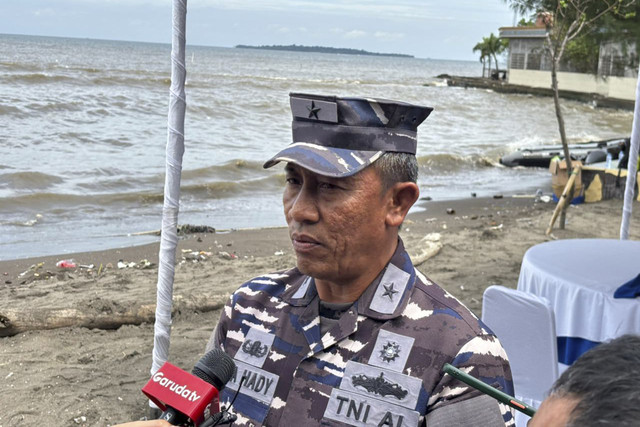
(601, 388)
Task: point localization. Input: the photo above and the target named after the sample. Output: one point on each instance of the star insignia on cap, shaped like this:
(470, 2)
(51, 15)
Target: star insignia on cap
(390, 351)
(389, 291)
(313, 110)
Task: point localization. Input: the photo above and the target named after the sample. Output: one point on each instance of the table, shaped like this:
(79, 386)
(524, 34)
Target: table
(579, 277)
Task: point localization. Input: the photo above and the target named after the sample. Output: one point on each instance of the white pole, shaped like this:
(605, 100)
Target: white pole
(175, 150)
(632, 167)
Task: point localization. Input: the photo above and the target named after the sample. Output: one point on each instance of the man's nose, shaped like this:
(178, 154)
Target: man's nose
(304, 208)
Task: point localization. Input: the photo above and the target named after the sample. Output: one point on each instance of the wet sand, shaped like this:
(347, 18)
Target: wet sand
(89, 369)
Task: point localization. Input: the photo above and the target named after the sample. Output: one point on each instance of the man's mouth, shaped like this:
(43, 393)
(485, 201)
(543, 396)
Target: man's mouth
(303, 242)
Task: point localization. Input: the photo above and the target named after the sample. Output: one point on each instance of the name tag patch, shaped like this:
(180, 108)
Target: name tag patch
(383, 384)
(358, 410)
(255, 347)
(258, 384)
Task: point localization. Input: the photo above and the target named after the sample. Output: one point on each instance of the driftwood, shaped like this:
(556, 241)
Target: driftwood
(15, 321)
(563, 198)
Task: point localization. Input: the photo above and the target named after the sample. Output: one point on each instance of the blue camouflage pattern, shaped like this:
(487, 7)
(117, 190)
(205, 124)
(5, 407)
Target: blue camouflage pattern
(380, 364)
(339, 137)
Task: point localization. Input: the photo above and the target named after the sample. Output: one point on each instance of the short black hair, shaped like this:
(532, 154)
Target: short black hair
(605, 381)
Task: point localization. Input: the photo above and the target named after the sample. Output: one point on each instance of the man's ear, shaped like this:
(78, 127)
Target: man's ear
(402, 195)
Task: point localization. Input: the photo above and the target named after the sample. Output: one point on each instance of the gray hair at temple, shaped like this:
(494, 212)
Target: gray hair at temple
(605, 381)
(396, 167)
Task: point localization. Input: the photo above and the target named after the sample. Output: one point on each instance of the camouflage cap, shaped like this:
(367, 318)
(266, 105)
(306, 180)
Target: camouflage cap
(339, 137)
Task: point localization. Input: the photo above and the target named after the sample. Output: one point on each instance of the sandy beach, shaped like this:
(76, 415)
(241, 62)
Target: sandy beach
(89, 368)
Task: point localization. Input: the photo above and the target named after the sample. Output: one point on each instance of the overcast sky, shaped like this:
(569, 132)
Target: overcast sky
(443, 29)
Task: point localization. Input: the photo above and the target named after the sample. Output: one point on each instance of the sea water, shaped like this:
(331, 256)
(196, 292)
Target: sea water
(84, 130)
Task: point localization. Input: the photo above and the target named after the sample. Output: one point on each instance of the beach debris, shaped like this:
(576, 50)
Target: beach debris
(497, 196)
(474, 216)
(100, 269)
(451, 211)
(473, 194)
(496, 227)
(278, 253)
(81, 419)
(144, 264)
(227, 255)
(429, 246)
(427, 198)
(122, 264)
(66, 263)
(87, 266)
(196, 256)
(430, 219)
(192, 229)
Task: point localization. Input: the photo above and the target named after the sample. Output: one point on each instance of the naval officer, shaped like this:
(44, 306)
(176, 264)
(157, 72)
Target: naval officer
(354, 334)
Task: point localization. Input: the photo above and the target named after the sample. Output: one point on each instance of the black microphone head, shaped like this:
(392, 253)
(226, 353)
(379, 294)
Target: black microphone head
(216, 367)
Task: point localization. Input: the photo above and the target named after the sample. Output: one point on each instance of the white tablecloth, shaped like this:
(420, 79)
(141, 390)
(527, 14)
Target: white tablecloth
(579, 278)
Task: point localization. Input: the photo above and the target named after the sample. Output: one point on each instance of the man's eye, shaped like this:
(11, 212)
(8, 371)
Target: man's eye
(292, 181)
(327, 186)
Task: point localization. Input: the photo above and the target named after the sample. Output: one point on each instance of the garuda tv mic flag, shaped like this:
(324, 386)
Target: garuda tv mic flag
(183, 396)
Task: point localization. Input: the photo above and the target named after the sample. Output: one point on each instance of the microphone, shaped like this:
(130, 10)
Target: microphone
(183, 396)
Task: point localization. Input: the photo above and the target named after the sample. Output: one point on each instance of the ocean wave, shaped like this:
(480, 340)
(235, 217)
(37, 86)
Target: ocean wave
(36, 77)
(233, 170)
(451, 163)
(123, 196)
(28, 180)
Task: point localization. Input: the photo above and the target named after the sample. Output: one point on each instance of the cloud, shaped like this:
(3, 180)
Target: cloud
(355, 34)
(388, 36)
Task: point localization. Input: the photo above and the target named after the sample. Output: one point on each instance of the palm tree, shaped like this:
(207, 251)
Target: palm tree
(484, 54)
(495, 47)
(489, 47)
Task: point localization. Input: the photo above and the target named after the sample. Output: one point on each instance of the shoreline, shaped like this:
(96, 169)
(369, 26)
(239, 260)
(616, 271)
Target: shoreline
(90, 373)
(504, 87)
(262, 239)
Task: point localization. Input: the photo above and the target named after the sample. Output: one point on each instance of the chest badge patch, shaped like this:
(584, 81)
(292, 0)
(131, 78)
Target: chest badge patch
(255, 348)
(390, 351)
(379, 385)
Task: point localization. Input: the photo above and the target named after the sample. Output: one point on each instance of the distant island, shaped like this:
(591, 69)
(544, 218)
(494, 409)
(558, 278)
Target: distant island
(322, 49)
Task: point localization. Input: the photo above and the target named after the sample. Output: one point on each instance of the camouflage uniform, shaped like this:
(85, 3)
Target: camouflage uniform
(379, 365)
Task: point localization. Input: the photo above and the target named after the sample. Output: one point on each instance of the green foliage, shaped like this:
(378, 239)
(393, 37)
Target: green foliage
(490, 47)
(582, 53)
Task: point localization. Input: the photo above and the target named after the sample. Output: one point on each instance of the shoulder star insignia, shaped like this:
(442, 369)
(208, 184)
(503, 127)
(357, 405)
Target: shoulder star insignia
(313, 110)
(389, 291)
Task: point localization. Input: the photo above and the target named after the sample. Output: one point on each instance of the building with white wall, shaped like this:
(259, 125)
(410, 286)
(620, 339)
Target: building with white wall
(530, 65)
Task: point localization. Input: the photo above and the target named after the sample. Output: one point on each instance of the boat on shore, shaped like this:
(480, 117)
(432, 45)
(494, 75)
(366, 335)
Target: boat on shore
(587, 152)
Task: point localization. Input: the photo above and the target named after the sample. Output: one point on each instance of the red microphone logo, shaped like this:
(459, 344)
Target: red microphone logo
(175, 388)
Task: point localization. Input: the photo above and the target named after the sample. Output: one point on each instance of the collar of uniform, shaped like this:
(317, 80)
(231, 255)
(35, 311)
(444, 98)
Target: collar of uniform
(301, 291)
(385, 298)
